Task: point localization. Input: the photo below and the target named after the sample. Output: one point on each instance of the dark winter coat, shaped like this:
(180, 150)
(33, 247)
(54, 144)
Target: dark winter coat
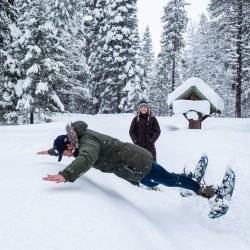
(144, 131)
(107, 154)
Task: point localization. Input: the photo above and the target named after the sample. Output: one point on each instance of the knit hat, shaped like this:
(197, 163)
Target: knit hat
(144, 103)
(60, 144)
(141, 104)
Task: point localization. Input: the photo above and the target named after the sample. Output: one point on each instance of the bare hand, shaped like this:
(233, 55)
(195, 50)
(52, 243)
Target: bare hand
(45, 152)
(56, 178)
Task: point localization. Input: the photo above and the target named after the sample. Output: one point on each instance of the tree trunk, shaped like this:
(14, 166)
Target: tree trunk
(239, 58)
(31, 117)
(173, 81)
(173, 75)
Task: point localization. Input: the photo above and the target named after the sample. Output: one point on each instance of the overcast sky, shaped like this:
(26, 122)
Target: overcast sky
(151, 11)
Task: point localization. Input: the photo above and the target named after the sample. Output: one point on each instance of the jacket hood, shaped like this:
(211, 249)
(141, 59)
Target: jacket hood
(75, 131)
(80, 128)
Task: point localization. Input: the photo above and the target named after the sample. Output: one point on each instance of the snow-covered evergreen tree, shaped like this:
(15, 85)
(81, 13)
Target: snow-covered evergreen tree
(41, 57)
(51, 68)
(232, 22)
(168, 64)
(204, 59)
(160, 89)
(8, 32)
(122, 71)
(197, 50)
(189, 60)
(148, 62)
(174, 25)
(69, 18)
(8, 18)
(135, 89)
(96, 42)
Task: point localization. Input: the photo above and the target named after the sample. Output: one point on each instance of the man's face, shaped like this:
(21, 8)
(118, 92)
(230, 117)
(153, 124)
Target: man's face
(68, 151)
(144, 109)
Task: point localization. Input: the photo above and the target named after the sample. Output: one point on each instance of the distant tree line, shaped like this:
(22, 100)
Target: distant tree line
(86, 56)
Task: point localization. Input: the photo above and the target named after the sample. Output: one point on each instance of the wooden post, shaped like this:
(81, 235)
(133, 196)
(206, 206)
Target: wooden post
(196, 124)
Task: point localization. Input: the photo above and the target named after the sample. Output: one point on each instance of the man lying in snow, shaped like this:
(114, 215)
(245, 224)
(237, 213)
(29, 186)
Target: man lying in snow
(126, 160)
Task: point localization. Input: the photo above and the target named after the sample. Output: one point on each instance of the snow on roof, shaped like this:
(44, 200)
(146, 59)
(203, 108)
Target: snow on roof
(206, 91)
(184, 106)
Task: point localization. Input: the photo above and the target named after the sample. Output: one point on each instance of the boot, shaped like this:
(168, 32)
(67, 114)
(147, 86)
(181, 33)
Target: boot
(207, 191)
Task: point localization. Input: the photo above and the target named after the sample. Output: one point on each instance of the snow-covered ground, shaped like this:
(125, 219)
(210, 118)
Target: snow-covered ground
(102, 212)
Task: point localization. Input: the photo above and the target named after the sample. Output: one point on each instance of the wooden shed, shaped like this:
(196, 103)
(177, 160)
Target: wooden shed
(192, 97)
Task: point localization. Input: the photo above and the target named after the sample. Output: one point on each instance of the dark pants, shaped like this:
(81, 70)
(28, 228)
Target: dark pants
(152, 150)
(159, 175)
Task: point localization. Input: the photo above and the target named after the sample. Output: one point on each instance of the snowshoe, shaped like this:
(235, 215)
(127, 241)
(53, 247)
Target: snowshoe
(196, 175)
(219, 203)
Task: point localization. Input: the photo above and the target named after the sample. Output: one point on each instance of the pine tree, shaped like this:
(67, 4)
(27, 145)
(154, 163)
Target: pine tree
(232, 21)
(174, 25)
(40, 54)
(160, 90)
(122, 71)
(8, 17)
(148, 62)
(96, 45)
(69, 18)
(8, 32)
(168, 64)
(49, 57)
(189, 60)
(219, 62)
(197, 50)
(135, 88)
(204, 58)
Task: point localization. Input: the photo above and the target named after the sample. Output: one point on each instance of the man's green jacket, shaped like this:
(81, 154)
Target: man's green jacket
(107, 154)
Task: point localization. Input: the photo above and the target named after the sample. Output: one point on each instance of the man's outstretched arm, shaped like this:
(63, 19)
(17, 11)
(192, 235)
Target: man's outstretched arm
(44, 152)
(50, 151)
(88, 155)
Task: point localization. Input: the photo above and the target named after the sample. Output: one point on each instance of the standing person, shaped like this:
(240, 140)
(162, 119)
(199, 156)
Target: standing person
(144, 129)
(126, 160)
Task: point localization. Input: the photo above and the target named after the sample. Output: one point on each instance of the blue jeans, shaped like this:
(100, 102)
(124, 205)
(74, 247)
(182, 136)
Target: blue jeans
(159, 175)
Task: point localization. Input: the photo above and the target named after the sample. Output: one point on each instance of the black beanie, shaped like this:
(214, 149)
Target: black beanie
(143, 103)
(60, 144)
